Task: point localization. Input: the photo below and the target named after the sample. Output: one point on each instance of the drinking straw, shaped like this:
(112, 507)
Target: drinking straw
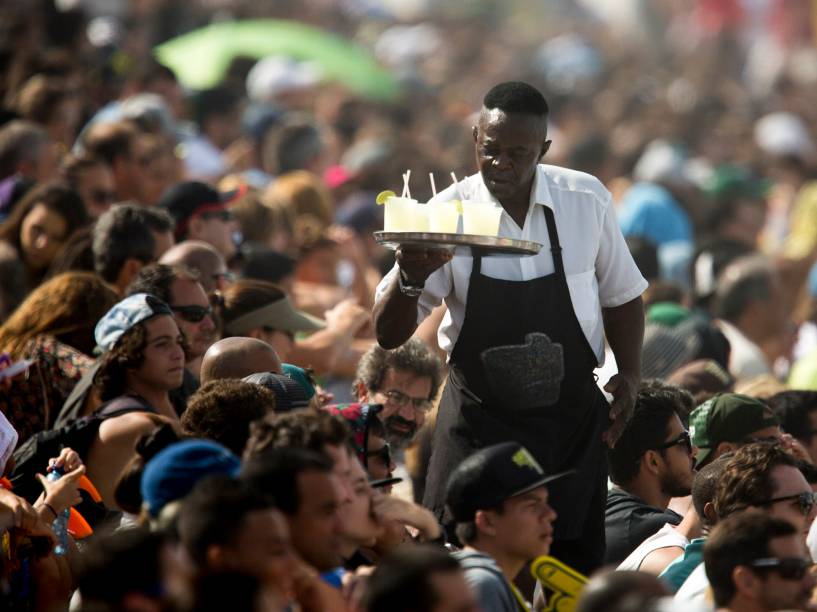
(406, 190)
(433, 187)
(456, 185)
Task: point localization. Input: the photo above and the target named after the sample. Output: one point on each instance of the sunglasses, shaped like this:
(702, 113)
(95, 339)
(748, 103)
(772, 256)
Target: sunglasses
(383, 453)
(805, 501)
(193, 313)
(682, 440)
(793, 568)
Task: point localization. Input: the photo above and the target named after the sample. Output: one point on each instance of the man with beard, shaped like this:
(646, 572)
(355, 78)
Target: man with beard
(404, 380)
(651, 464)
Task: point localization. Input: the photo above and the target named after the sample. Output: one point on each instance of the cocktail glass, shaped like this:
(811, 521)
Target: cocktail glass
(444, 217)
(399, 215)
(481, 218)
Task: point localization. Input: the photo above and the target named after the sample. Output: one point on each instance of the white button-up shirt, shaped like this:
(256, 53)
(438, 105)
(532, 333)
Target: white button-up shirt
(599, 268)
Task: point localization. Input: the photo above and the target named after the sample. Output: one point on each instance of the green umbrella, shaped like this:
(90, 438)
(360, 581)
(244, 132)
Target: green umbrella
(200, 58)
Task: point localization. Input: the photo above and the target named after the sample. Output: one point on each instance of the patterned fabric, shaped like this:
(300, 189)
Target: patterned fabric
(35, 398)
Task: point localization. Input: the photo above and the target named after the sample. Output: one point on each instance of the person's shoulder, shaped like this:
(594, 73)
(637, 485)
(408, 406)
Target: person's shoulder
(577, 183)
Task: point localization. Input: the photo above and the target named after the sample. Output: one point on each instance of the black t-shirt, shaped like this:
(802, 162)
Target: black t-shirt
(628, 521)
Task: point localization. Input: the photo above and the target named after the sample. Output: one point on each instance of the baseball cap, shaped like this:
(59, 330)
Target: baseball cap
(289, 395)
(173, 472)
(279, 315)
(727, 417)
(124, 315)
(184, 200)
(300, 376)
(358, 416)
(490, 476)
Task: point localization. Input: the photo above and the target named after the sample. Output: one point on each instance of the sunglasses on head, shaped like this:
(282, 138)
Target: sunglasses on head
(384, 453)
(805, 501)
(193, 313)
(793, 568)
(682, 440)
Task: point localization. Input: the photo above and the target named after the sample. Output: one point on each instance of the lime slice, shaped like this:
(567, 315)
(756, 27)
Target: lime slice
(383, 196)
(458, 205)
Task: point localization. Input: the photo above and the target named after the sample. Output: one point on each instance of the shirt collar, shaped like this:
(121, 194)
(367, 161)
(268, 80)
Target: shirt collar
(540, 192)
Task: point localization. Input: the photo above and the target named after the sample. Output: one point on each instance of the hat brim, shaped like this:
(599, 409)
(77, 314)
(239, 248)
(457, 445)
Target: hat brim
(299, 321)
(541, 482)
(702, 456)
(384, 482)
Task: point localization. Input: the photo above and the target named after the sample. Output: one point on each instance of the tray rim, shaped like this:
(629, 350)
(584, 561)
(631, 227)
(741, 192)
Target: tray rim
(497, 244)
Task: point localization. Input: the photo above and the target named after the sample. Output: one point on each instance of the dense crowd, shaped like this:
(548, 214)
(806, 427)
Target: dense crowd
(195, 412)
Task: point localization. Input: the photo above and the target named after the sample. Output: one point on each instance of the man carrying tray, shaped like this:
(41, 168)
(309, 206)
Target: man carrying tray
(524, 334)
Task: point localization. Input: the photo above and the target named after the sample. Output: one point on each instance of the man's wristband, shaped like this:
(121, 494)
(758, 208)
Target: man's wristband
(407, 288)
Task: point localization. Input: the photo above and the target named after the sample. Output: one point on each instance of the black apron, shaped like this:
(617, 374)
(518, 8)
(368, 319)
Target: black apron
(566, 435)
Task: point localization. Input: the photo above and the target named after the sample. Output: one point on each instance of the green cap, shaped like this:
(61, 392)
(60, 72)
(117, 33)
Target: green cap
(300, 376)
(727, 417)
(668, 314)
(729, 181)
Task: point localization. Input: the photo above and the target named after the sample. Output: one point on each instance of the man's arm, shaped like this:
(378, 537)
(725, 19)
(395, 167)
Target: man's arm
(624, 328)
(395, 313)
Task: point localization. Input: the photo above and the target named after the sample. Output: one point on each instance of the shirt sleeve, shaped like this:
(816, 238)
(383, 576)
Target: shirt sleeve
(492, 594)
(435, 290)
(618, 277)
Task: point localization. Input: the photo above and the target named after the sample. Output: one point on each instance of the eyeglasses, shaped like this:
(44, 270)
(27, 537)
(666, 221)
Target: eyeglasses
(400, 399)
(805, 501)
(683, 439)
(793, 568)
(193, 313)
(383, 453)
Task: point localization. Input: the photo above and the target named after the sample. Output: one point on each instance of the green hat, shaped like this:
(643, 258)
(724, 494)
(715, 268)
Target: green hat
(729, 181)
(727, 417)
(668, 314)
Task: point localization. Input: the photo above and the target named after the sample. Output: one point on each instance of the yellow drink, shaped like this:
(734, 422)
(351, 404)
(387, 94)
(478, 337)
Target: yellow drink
(444, 217)
(481, 218)
(399, 215)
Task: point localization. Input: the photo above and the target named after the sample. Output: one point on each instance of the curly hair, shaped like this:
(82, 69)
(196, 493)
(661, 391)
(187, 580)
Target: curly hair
(747, 477)
(66, 307)
(157, 279)
(222, 410)
(127, 354)
(413, 356)
(302, 428)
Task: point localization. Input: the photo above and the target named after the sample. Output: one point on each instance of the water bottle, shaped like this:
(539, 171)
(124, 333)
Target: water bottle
(60, 524)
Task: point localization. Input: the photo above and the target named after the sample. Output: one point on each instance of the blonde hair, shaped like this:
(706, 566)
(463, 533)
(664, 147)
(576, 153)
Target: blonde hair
(306, 202)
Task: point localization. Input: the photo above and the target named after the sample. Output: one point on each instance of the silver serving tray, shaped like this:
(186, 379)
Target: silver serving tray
(458, 243)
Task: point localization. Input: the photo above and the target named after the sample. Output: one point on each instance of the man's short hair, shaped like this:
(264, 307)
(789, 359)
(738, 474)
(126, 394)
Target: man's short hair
(705, 484)
(648, 428)
(792, 408)
(516, 97)
(216, 101)
(157, 279)
(110, 141)
(20, 141)
(276, 472)
(413, 356)
(126, 231)
(213, 514)
(739, 540)
(293, 145)
(743, 282)
(747, 477)
(401, 582)
(222, 410)
(302, 428)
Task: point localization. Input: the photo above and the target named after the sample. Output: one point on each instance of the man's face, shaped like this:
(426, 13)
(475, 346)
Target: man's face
(216, 228)
(508, 148)
(406, 401)
(778, 593)
(315, 528)
(198, 330)
(788, 481)
(359, 526)
(452, 593)
(677, 465)
(163, 366)
(263, 548)
(380, 463)
(524, 528)
(97, 189)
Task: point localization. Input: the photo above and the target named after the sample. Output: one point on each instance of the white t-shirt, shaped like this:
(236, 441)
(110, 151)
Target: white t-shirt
(695, 593)
(665, 537)
(600, 271)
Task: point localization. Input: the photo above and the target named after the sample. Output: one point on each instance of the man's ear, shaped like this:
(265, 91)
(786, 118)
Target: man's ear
(474, 132)
(484, 520)
(128, 272)
(723, 448)
(194, 224)
(361, 392)
(747, 582)
(545, 148)
(649, 462)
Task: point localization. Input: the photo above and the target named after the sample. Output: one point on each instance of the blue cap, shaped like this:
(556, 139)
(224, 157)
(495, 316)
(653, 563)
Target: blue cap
(124, 315)
(173, 472)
